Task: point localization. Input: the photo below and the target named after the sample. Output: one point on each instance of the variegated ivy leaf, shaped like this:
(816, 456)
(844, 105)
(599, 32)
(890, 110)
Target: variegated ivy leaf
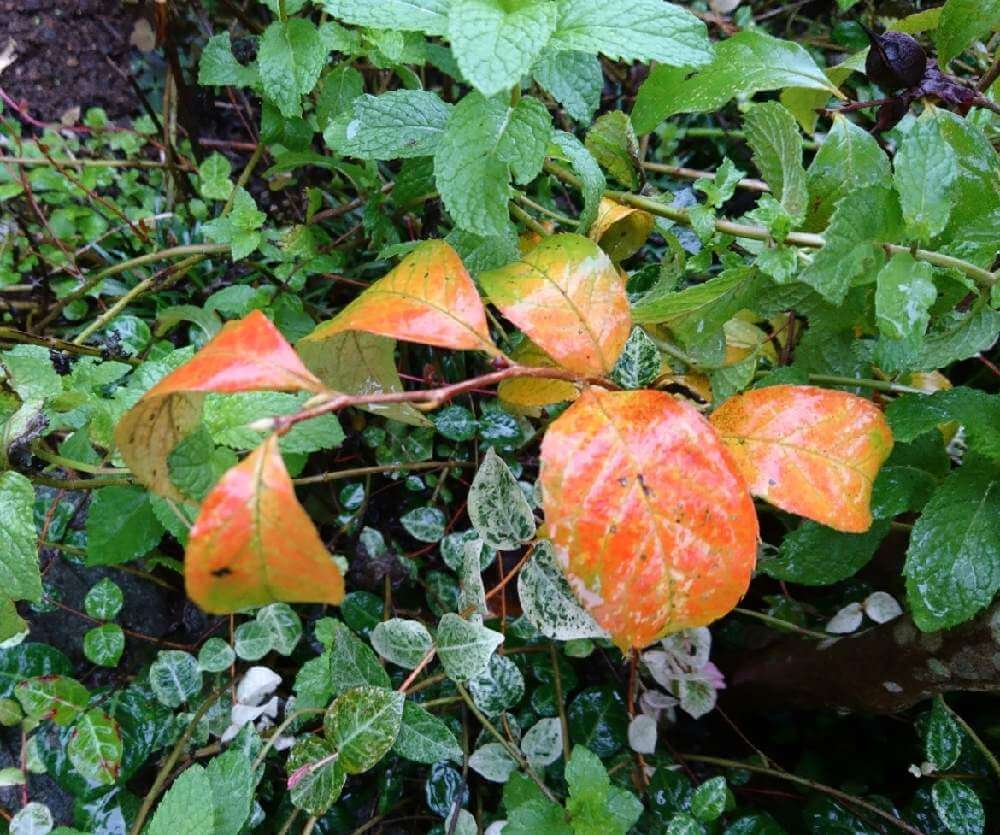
(362, 725)
(465, 647)
(402, 642)
(497, 506)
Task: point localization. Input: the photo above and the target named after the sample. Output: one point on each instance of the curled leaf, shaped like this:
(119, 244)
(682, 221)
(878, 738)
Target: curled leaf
(245, 355)
(429, 297)
(254, 544)
(569, 298)
(647, 514)
(808, 450)
(619, 229)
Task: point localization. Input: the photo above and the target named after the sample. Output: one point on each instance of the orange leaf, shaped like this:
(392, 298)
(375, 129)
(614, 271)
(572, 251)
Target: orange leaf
(245, 355)
(253, 544)
(528, 394)
(428, 297)
(808, 450)
(620, 230)
(648, 515)
(569, 298)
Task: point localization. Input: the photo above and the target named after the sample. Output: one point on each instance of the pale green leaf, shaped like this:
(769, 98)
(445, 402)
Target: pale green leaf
(498, 508)
(574, 79)
(395, 125)
(925, 169)
(19, 576)
(904, 294)
(104, 645)
(187, 806)
(219, 67)
(402, 642)
(291, 55)
(174, 677)
(427, 16)
(465, 647)
(773, 135)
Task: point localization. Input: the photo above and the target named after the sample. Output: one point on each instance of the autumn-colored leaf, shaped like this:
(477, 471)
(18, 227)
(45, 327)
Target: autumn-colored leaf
(647, 513)
(429, 297)
(569, 298)
(526, 395)
(355, 362)
(619, 229)
(253, 543)
(808, 450)
(245, 355)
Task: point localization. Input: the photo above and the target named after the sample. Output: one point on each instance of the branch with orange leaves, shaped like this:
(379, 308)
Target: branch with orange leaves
(425, 400)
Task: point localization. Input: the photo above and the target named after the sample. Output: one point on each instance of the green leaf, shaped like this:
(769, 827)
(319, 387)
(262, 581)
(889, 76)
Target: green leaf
(56, 698)
(283, 624)
(11, 623)
(815, 555)
(684, 824)
(226, 417)
(32, 819)
(95, 748)
(953, 562)
(30, 372)
(352, 662)
(252, 640)
(849, 159)
(402, 642)
(187, 806)
(574, 79)
(233, 782)
(961, 23)
(121, 526)
(19, 575)
(498, 508)
(215, 656)
(959, 807)
(747, 63)
(362, 724)
(219, 67)
(492, 762)
(904, 294)
(291, 56)
(633, 30)
(196, 464)
(639, 363)
(27, 660)
(485, 142)
(942, 737)
(395, 125)
(174, 677)
(911, 415)
(925, 170)
(465, 647)
(586, 776)
(773, 135)
(425, 524)
(709, 800)
(427, 16)
(424, 738)
(593, 184)
(317, 790)
(338, 89)
(104, 645)
(613, 143)
(496, 42)
(537, 817)
(598, 720)
(213, 177)
(104, 600)
(239, 227)
(548, 601)
(861, 220)
(542, 742)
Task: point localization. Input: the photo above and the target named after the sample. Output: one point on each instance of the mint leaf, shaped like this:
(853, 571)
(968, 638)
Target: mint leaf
(121, 526)
(395, 125)
(219, 66)
(633, 30)
(291, 56)
(956, 336)
(613, 143)
(427, 16)
(815, 555)
(30, 372)
(338, 88)
(953, 563)
(962, 22)
(496, 42)
(484, 142)
(849, 158)
(593, 184)
(904, 294)
(19, 575)
(860, 221)
(747, 63)
(925, 170)
(574, 79)
(773, 134)
(187, 807)
(914, 414)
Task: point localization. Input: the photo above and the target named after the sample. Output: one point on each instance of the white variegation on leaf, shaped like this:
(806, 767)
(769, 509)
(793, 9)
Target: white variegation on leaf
(548, 602)
(497, 506)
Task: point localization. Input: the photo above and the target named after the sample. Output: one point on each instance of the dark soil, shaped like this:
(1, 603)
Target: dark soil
(62, 52)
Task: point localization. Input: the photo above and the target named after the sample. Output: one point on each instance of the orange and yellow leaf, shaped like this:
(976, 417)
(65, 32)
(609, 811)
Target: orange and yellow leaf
(648, 515)
(245, 355)
(619, 229)
(429, 297)
(808, 450)
(570, 300)
(527, 395)
(253, 543)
